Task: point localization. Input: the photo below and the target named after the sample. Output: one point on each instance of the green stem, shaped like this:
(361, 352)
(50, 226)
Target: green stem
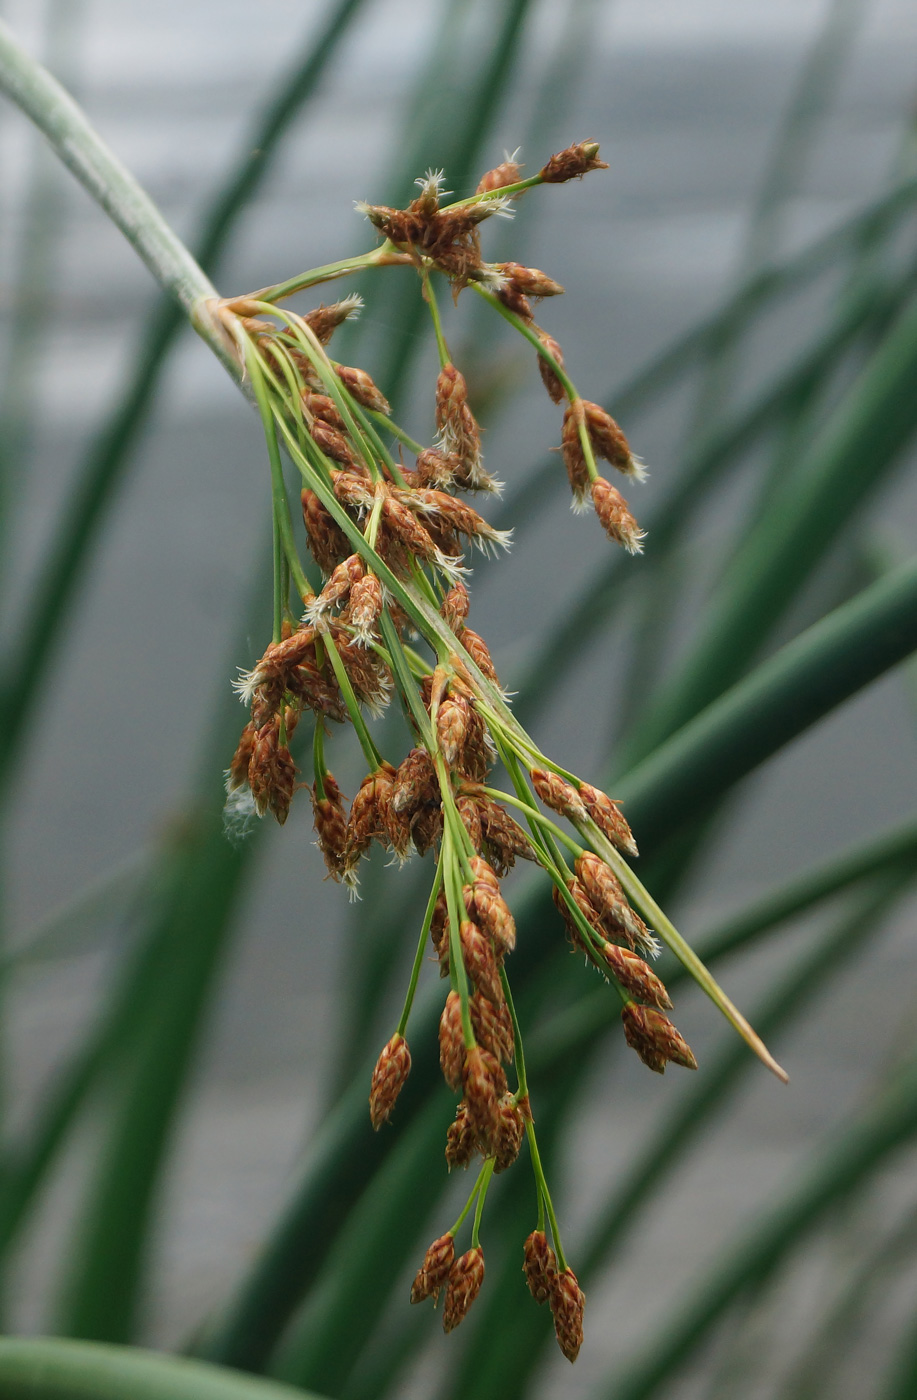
(430, 298)
(373, 756)
(421, 944)
(487, 1172)
(543, 1191)
(472, 1197)
(377, 257)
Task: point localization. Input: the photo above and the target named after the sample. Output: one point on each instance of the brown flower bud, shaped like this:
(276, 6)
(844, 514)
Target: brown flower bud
(507, 173)
(607, 816)
(471, 820)
(477, 649)
(609, 442)
(492, 1026)
(392, 1069)
(333, 443)
(635, 976)
(434, 1271)
(461, 1139)
(509, 1133)
(324, 320)
(654, 1038)
(556, 793)
(568, 1302)
(530, 281)
(615, 518)
(327, 542)
(451, 727)
(504, 837)
(575, 160)
(485, 1084)
(320, 406)
(493, 914)
(361, 386)
(330, 825)
(237, 772)
(607, 897)
(574, 457)
(451, 1041)
(454, 607)
(539, 1266)
(481, 962)
(464, 1285)
(549, 376)
(365, 607)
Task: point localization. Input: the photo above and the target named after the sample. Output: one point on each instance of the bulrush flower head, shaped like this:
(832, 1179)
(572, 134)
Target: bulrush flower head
(392, 1069)
(507, 173)
(615, 518)
(324, 320)
(568, 1302)
(575, 160)
(461, 1139)
(539, 1266)
(451, 1042)
(549, 375)
(433, 1273)
(485, 1084)
(654, 1038)
(463, 1286)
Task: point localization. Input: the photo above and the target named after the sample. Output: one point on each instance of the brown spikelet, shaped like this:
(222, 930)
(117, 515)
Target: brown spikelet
(459, 432)
(461, 1140)
(437, 468)
(539, 1266)
(434, 1271)
(614, 516)
(608, 818)
(529, 280)
(492, 1026)
(477, 649)
(324, 320)
(635, 976)
(484, 1084)
(549, 376)
(427, 829)
(481, 962)
(328, 544)
(330, 825)
(451, 728)
(454, 608)
(369, 817)
(574, 457)
(568, 1302)
(365, 607)
(556, 793)
(464, 1285)
(408, 529)
(471, 820)
(509, 1133)
(260, 766)
(575, 160)
(415, 784)
(608, 441)
(439, 932)
(504, 837)
(317, 690)
(451, 1042)
(507, 173)
(237, 772)
(654, 1038)
(362, 387)
(283, 782)
(607, 897)
(320, 406)
(392, 1069)
(333, 443)
(493, 914)
(514, 299)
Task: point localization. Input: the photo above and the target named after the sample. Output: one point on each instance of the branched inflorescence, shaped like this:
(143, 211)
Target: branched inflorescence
(392, 542)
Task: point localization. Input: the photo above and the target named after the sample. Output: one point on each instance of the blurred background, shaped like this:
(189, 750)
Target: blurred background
(180, 1014)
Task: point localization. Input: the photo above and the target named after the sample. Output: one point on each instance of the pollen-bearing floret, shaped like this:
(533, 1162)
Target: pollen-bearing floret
(470, 790)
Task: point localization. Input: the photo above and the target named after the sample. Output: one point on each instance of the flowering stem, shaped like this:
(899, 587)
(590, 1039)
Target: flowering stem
(525, 329)
(373, 756)
(469, 1203)
(386, 254)
(418, 956)
(487, 1172)
(430, 298)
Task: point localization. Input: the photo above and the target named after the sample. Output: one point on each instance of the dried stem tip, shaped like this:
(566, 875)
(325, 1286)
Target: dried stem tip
(568, 1302)
(392, 1069)
(434, 1271)
(464, 1285)
(539, 1266)
(575, 160)
(654, 1038)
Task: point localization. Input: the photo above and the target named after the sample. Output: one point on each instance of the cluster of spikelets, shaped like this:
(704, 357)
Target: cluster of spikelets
(384, 534)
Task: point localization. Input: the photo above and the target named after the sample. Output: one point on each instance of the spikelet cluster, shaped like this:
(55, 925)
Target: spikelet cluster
(392, 540)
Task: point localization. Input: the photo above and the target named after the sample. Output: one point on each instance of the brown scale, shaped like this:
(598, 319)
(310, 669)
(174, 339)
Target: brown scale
(484, 1084)
(331, 825)
(540, 1266)
(477, 649)
(392, 1069)
(434, 1272)
(322, 407)
(615, 517)
(635, 976)
(492, 1026)
(567, 1302)
(463, 1286)
(454, 607)
(461, 1139)
(369, 820)
(654, 1038)
(509, 1132)
(575, 160)
(549, 376)
(514, 299)
(471, 820)
(328, 544)
(573, 455)
(317, 690)
(334, 444)
(362, 388)
(607, 816)
(451, 1042)
(237, 775)
(481, 961)
(530, 280)
(504, 837)
(324, 320)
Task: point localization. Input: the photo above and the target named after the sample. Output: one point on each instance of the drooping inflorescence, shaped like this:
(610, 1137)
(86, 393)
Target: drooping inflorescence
(393, 541)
